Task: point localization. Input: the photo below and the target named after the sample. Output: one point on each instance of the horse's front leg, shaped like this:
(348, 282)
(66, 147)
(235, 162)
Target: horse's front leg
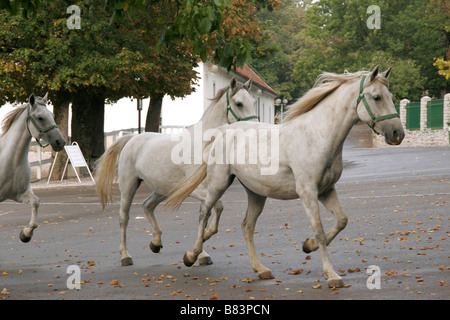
(311, 204)
(331, 202)
(31, 198)
(255, 207)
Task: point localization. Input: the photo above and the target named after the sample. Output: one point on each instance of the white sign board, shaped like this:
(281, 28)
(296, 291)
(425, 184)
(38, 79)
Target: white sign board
(75, 156)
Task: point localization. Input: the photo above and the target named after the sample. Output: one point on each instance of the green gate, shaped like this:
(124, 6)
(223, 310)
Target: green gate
(435, 114)
(413, 116)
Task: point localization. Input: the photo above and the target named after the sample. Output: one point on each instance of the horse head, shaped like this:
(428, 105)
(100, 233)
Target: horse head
(379, 112)
(240, 104)
(41, 123)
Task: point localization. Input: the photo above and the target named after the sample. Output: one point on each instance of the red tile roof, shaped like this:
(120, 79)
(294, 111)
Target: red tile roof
(248, 73)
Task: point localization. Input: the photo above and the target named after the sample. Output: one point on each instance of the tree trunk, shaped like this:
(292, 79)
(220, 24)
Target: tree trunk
(154, 114)
(88, 110)
(60, 103)
(97, 131)
(82, 123)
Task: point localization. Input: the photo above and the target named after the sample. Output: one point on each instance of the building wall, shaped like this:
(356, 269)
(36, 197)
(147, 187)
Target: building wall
(190, 109)
(184, 111)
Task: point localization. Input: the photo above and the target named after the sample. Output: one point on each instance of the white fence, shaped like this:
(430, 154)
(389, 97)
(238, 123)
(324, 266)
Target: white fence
(110, 137)
(41, 159)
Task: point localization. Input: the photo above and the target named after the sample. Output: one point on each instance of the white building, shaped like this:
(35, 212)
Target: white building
(187, 111)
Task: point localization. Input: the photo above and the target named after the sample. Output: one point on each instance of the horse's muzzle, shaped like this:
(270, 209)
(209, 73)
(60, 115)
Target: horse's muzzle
(58, 144)
(395, 137)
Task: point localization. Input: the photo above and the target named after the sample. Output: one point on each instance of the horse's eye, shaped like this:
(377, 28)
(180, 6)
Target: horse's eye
(40, 119)
(239, 104)
(377, 98)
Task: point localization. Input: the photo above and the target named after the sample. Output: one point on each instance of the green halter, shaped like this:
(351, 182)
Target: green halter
(374, 119)
(234, 114)
(41, 131)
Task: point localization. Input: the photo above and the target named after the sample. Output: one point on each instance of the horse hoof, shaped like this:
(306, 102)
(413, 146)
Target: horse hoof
(187, 261)
(23, 237)
(127, 261)
(335, 283)
(266, 275)
(205, 261)
(154, 247)
(308, 246)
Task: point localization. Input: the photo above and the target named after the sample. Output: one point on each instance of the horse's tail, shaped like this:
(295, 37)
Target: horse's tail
(185, 187)
(106, 170)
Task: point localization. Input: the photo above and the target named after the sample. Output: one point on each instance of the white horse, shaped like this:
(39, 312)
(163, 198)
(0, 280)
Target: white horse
(148, 157)
(18, 127)
(311, 139)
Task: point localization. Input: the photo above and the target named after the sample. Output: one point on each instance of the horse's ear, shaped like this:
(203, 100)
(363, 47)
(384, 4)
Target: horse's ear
(45, 98)
(31, 100)
(374, 73)
(387, 73)
(248, 84)
(233, 84)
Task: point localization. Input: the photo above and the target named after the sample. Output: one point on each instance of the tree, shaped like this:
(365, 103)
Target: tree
(111, 57)
(100, 60)
(334, 36)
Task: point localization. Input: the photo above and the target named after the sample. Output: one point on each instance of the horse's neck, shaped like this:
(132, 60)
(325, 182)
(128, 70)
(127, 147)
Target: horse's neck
(16, 142)
(329, 123)
(215, 115)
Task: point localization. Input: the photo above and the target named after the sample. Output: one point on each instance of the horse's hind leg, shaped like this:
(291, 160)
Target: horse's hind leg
(27, 232)
(127, 191)
(214, 225)
(149, 206)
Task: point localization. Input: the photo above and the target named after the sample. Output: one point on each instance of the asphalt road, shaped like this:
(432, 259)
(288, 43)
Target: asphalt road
(397, 199)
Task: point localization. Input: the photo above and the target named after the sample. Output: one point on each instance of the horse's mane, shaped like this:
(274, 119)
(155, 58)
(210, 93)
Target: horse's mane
(325, 84)
(10, 117)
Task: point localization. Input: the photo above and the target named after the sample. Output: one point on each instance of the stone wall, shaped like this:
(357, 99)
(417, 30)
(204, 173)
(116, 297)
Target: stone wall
(425, 136)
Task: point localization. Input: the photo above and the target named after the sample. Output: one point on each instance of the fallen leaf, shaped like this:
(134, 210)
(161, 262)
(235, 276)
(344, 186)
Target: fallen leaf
(317, 286)
(297, 271)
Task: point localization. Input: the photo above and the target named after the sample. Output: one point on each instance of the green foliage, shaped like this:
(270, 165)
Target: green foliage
(310, 37)
(117, 60)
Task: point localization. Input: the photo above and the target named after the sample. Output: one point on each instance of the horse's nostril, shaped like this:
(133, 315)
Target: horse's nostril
(60, 143)
(396, 135)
